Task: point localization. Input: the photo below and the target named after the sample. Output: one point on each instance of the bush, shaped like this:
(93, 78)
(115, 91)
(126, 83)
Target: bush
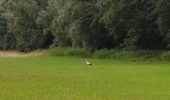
(140, 55)
(165, 56)
(147, 55)
(79, 53)
(68, 52)
(122, 55)
(102, 54)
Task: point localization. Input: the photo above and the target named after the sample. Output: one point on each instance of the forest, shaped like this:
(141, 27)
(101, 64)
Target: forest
(27, 25)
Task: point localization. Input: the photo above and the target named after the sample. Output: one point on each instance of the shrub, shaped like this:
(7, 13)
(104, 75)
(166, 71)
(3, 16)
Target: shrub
(140, 55)
(165, 56)
(122, 55)
(102, 54)
(68, 52)
(79, 53)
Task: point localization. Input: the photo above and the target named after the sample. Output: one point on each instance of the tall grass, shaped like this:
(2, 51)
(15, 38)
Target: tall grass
(68, 52)
(139, 55)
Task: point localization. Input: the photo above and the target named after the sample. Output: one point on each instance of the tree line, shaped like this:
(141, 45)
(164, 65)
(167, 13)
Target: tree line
(27, 25)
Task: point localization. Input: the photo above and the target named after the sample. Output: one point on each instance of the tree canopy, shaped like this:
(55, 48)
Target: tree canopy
(91, 24)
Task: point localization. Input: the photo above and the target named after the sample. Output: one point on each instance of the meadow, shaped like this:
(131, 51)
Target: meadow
(69, 78)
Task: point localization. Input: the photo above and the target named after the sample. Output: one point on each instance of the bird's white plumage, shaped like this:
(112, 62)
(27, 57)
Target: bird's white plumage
(88, 63)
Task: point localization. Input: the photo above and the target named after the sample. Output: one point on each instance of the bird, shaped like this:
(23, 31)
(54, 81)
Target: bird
(88, 63)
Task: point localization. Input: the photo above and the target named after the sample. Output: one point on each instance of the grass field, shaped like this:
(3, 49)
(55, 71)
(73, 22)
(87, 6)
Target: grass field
(68, 78)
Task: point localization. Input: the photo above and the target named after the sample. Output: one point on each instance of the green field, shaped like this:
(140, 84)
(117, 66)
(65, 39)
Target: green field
(68, 78)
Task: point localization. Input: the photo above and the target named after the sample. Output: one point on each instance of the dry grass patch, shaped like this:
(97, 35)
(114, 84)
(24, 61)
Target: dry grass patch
(19, 54)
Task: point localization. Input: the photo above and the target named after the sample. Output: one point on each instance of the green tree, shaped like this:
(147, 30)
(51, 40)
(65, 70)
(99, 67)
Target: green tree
(163, 8)
(7, 39)
(90, 24)
(132, 24)
(2, 30)
(27, 34)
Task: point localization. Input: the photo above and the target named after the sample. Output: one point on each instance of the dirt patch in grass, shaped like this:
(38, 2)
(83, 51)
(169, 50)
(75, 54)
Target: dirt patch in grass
(19, 54)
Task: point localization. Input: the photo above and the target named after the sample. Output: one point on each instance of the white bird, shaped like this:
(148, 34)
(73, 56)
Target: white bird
(88, 63)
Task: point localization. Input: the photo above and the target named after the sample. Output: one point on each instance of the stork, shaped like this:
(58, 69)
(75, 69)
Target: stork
(88, 63)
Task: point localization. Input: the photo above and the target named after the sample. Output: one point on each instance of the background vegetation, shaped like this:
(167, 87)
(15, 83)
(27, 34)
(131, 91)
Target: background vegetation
(124, 55)
(90, 24)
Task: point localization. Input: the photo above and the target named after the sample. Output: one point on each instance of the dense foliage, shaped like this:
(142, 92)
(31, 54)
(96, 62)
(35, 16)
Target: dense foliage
(116, 54)
(91, 24)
